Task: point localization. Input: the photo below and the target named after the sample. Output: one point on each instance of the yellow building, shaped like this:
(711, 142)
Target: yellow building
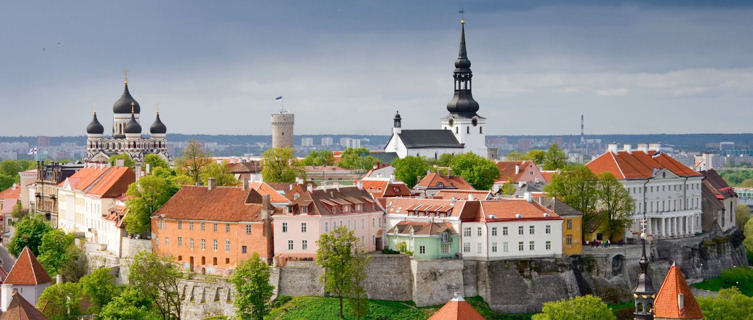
(572, 224)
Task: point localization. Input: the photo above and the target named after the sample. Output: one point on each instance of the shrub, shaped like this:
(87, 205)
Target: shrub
(281, 300)
(389, 251)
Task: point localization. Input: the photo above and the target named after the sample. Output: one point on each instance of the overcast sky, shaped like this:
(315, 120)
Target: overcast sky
(215, 67)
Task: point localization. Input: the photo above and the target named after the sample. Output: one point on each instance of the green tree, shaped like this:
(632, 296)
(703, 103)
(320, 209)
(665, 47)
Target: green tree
(146, 195)
(18, 211)
(356, 158)
(357, 297)
(157, 278)
(508, 188)
(339, 255)
(445, 159)
(478, 171)
(55, 251)
(155, 161)
(747, 183)
(585, 307)
(61, 301)
(729, 304)
(319, 158)
(10, 168)
(555, 158)
(408, 169)
(129, 305)
(742, 215)
(6, 181)
(127, 160)
(748, 230)
(221, 174)
(576, 186)
(100, 288)
(538, 157)
(515, 156)
(29, 233)
(614, 204)
(193, 160)
(251, 281)
(280, 165)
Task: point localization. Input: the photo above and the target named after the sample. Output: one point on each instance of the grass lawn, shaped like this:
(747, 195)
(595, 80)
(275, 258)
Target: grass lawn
(327, 308)
(711, 284)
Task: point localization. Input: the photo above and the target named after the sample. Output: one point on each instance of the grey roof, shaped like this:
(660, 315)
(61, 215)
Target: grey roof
(560, 208)
(438, 138)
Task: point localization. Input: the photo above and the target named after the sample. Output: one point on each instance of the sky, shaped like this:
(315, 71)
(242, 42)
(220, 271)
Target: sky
(345, 67)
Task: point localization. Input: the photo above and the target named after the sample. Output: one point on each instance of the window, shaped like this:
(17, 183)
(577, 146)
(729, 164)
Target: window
(373, 222)
(190, 226)
(531, 230)
(548, 245)
(520, 230)
(531, 245)
(180, 224)
(190, 243)
(304, 244)
(248, 228)
(504, 231)
(520, 246)
(227, 245)
(467, 232)
(466, 247)
(494, 247)
(202, 226)
(326, 227)
(244, 249)
(227, 227)
(214, 245)
(290, 244)
(467, 129)
(548, 229)
(203, 244)
(478, 247)
(422, 249)
(569, 224)
(445, 248)
(504, 246)
(284, 227)
(478, 231)
(494, 231)
(303, 227)
(214, 227)
(569, 239)
(480, 129)
(180, 241)
(167, 241)
(156, 241)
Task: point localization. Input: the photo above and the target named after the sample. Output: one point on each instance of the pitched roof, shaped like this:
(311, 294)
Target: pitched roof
(384, 187)
(437, 181)
(27, 271)
(717, 185)
(274, 195)
(462, 194)
(219, 204)
(326, 200)
(13, 192)
(437, 138)
(668, 304)
(512, 209)
(559, 207)
(20, 309)
(452, 208)
(547, 174)
(113, 183)
(507, 170)
(422, 228)
(85, 177)
(245, 167)
(638, 164)
(456, 309)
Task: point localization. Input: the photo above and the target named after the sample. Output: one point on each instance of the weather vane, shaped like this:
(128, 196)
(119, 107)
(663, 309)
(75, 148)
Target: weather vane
(462, 14)
(126, 75)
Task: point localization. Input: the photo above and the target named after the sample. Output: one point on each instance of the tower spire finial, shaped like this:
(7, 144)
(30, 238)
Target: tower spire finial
(157, 107)
(126, 76)
(95, 107)
(133, 107)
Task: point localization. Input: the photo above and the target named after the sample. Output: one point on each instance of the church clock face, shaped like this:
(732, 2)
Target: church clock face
(451, 122)
(474, 121)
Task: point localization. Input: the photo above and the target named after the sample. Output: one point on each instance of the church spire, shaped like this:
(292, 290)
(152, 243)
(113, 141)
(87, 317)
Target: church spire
(644, 292)
(462, 103)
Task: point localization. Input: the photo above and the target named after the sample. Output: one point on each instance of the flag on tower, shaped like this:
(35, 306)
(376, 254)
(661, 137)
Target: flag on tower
(32, 150)
(278, 98)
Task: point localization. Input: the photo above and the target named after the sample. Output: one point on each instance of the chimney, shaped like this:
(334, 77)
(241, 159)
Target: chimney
(360, 185)
(211, 183)
(267, 225)
(470, 197)
(627, 148)
(642, 147)
(612, 148)
(654, 146)
(452, 201)
(245, 183)
(517, 169)
(527, 197)
(449, 172)
(119, 162)
(310, 188)
(148, 169)
(59, 278)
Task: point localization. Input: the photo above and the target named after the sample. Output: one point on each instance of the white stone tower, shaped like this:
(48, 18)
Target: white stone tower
(282, 129)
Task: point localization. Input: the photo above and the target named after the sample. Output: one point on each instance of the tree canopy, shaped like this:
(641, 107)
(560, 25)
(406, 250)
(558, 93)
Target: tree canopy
(408, 169)
(578, 308)
(61, 301)
(157, 278)
(221, 174)
(576, 186)
(356, 158)
(130, 304)
(251, 281)
(344, 263)
(554, 158)
(146, 195)
(29, 233)
(319, 158)
(614, 205)
(59, 254)
(155, 161)
(729, 304)
(127, 160)
(280, 165)
(193, 160)
(478, 171)
(99, 287)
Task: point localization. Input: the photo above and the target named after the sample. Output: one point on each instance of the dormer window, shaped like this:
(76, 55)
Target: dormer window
(304, 209)
(346, 209)
(440, 185)
(290, 209)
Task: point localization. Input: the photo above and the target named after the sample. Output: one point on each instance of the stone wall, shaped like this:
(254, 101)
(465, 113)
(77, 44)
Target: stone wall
(389, 277)
(133, 246)
(207, 296)
(300, 278)
(436, 281)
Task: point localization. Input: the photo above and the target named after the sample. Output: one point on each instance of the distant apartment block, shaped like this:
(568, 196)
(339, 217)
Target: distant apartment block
(327, 141)
(307, 141)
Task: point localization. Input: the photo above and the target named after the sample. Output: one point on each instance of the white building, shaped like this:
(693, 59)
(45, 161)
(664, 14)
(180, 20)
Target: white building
(28, 277)
(307, 141)
(668, 192)
(462, 130)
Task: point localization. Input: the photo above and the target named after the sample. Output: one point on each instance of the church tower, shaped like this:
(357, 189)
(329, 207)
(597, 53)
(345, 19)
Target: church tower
(644, 292)
(463, 121)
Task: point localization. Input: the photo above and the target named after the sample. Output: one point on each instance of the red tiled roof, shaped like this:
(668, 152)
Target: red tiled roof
(638, 164)
(13, 192)
(434, 180)
(328, 201)
(20, 309)
(383, 187)
(548, 174)
(263, 188)
(113, 183)
(667, 303)
(514, 209)
(83, 178)
(462, 194)
(219, 204)
(717, 185)
(452, 208)
(507, 170)
(456, 309)
(27, 271)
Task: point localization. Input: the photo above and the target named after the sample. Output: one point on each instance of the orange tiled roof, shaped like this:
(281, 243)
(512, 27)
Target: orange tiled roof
(638, 164)
(264, 188)
(27, 271)
(219, 204)
(667, 303)
(507, 170)
(413, 205)
(85, 177)
(329, 201)
(548, 174)
(456, 309)
(514, 209)
(383, 187)
(20, 309)
(113, 183)
(462, 194)
(14, 192)
(434, 180)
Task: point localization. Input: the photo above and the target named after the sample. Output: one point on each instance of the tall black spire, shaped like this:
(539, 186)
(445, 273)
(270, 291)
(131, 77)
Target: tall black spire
(644, 292)
(462, 102)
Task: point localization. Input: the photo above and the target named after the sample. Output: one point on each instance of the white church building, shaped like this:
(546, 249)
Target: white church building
(462, 130)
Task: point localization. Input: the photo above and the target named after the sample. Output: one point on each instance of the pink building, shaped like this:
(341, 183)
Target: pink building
(298, 227)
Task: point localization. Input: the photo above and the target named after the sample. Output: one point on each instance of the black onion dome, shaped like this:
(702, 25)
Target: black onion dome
(158, 126)
(123, 105)
(397, 116)
(95, 127)
(133, 126)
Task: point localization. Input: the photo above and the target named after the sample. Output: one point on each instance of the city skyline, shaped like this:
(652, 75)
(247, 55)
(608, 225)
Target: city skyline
(632, 68)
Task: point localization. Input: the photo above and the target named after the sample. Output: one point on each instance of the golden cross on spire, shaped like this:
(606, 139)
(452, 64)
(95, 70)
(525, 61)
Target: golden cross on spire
(157, 107)
(126, 75)
(462, 15)
(95, 108)
(133, 107)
